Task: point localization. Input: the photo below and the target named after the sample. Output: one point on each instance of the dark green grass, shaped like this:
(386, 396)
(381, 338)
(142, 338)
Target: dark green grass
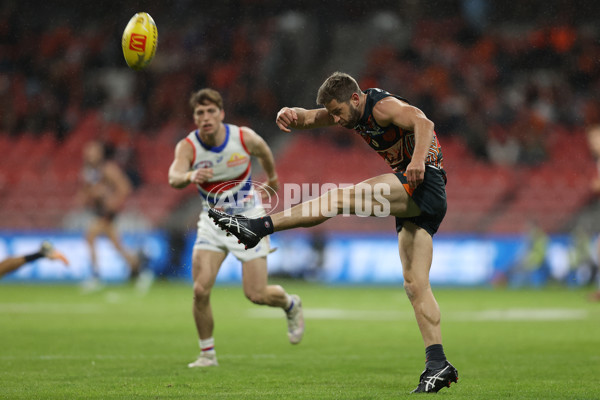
(361, 343)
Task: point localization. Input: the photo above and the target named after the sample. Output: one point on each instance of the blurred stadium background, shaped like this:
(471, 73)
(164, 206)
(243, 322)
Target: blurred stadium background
(511, 86)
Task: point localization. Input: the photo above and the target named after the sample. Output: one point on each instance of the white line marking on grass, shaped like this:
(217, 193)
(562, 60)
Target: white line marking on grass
(51, 357)
(48, 308)
(335, 314)
(513, 314)
(182, 360)
(522, 314)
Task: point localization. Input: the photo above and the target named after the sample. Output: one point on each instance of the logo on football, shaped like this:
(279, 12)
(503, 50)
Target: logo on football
(139, 41)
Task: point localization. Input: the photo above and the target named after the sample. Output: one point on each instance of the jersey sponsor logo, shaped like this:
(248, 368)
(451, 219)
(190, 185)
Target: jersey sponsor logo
(137, 42)
(237, 159)
(370, 128)
(373, 132)
(203, 164)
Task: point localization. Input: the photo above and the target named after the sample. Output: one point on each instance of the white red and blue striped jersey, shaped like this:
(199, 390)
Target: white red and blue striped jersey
(230, 188)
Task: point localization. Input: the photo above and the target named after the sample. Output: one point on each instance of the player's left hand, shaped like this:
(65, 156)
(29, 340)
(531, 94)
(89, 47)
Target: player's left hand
(415, 173)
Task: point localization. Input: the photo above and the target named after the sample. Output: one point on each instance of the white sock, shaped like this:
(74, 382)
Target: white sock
(207, 346)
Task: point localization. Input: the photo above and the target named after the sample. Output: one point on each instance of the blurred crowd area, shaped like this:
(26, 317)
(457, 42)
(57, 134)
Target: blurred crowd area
(511, 88)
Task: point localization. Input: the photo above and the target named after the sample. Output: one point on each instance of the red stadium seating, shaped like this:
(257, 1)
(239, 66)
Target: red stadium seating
(39, 179)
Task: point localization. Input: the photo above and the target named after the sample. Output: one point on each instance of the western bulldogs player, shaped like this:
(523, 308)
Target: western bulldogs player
(216, 157)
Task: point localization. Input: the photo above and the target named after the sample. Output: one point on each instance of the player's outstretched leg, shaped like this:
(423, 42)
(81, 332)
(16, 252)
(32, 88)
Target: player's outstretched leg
(432, 380)
(239, 226)
(295, 320)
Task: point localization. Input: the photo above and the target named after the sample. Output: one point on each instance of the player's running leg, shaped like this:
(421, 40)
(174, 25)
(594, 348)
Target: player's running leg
(133, 260)
(257, 290)
(95, 229)
(205, 266)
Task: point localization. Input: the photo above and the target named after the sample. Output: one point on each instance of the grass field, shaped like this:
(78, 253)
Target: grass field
(360, 343)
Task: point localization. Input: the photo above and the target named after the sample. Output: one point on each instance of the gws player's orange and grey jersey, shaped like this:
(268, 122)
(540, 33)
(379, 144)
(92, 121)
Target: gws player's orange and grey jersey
(394, 144)
(230, 188)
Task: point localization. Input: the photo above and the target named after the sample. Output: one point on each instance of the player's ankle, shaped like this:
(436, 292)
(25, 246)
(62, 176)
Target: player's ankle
(207, 346)
(262, 226)
(435, 356)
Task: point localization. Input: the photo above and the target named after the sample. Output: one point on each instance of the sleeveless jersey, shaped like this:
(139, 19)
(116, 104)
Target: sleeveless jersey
(230, 188)
(394, 144)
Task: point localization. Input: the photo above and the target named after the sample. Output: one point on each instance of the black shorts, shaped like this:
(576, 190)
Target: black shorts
(101, 212)
(430, 196)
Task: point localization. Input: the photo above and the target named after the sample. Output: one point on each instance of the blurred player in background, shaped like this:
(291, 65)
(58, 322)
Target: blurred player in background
(415, 193)
(531, 267)
(46, 251)
(216, 158)
(593, 135)
(105, 190)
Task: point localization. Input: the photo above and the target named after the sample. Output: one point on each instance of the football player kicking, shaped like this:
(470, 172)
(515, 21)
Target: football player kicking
(216, 159)
(414, 193)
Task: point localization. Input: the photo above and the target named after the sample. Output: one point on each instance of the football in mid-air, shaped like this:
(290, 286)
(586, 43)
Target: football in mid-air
(139, 41)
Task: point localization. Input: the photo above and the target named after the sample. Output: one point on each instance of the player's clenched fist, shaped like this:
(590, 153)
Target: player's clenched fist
(286, 117)
(415, 173)
(200, 175)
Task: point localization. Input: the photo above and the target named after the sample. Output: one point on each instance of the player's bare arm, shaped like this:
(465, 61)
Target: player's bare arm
(300, 118)
(393, 111)
(180, 174)
(260, 149)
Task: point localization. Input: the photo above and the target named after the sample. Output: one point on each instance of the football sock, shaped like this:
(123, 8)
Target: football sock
(207, 346)
(434, 356)
(261, 226)
(34, 256)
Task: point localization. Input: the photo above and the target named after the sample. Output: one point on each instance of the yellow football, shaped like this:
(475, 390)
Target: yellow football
(139, 41)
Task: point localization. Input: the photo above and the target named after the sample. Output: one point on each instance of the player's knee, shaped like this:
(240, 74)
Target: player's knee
(408, 288)
(342, 200)
(413, 289)
(352, 200)
(201, 293)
